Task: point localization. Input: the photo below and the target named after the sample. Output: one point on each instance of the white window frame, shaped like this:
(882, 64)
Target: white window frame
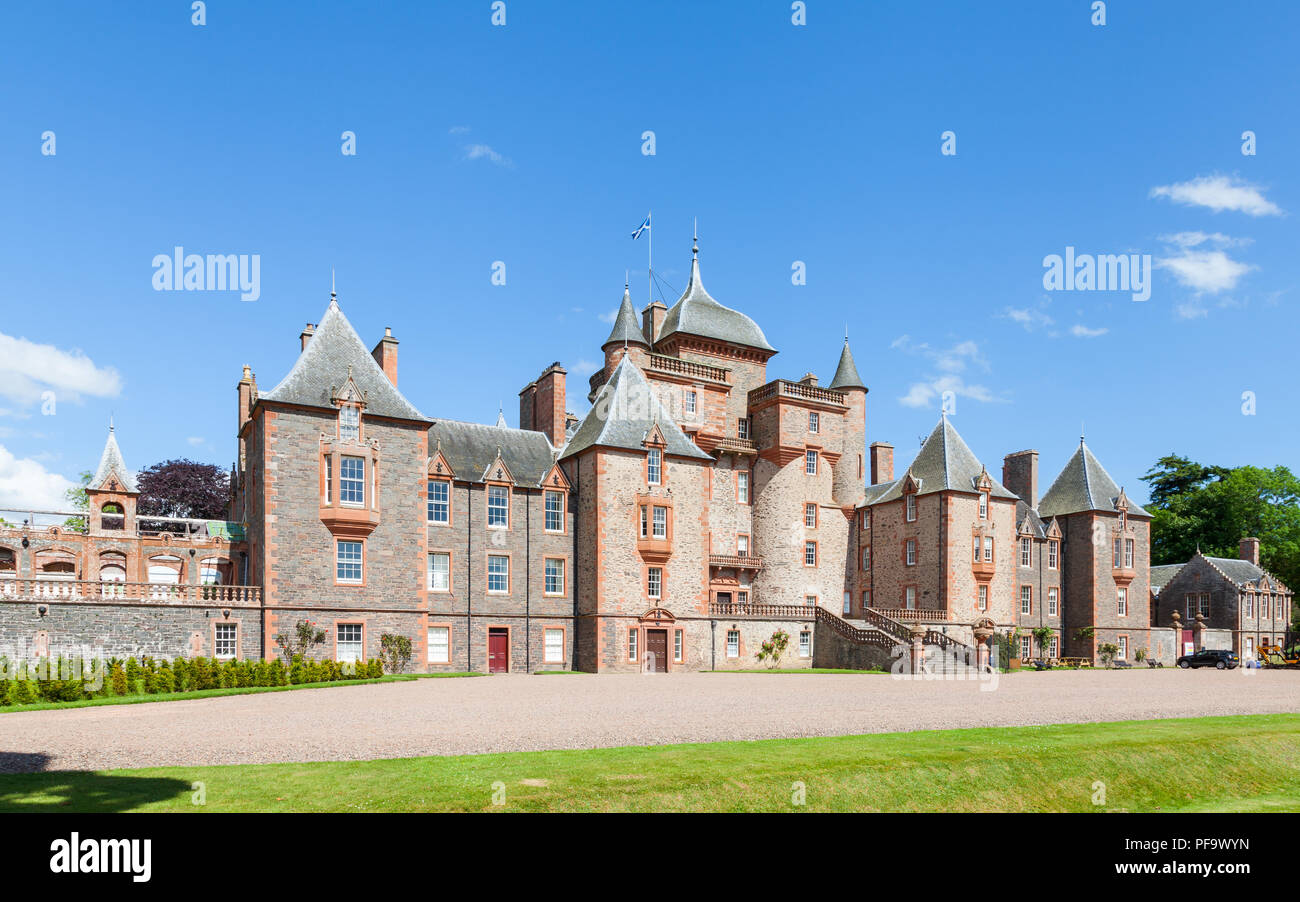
(1121, 601)
(433, 571)
(231, 641)
(552, 655)
(814, 422)
(909, 507)
(358, 644)
(810, 515)
(654, 582)
(1026, 551)
(443, 506)
(1053, 601)
(552, 579)
(659, 522)
(340, 561)
(810, 462)
(742, 486)
(548, 511)
(654, 466)
(690, 402)
(733, 643)
(499, 574)
(982, 597)
(354, 486)
(1026, 600)
(431, 652)
(805, 643)
(349, 423)
(810, 547)
(497, 510)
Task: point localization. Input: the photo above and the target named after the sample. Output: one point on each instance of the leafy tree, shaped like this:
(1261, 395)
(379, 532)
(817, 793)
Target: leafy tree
(1044, 636)
(76, 498)
(1107, 652)
(1213, 508)
(183, 488)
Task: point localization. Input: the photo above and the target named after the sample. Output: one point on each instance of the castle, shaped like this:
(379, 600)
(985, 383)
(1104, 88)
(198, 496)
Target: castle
(698, 508)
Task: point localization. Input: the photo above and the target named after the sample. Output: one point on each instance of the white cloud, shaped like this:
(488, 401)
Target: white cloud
(1196, 239)
(25, 484)
(485, 152)
(587, 367)
(951, 362)
(195, 440)
(1078, 330)
(923, 394)
(1193, 309)
(1205, 271)
(27, 369)
(458, 130)
(1028, 317)
(609, 316)
(1219, 193)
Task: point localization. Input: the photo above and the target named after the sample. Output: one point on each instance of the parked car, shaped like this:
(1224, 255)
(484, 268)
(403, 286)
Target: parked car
(1218, 658)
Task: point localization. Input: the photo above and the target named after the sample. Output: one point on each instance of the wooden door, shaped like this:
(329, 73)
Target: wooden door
(656, 644)
(498, 651)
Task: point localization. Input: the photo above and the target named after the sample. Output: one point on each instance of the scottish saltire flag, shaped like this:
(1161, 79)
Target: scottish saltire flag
(641, 228)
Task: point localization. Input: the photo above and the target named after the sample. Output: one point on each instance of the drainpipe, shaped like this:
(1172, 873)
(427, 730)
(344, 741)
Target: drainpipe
(469, 570)
(528, 581)
(713, 645)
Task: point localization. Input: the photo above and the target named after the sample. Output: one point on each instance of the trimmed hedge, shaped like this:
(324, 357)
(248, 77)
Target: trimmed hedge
(70, 680)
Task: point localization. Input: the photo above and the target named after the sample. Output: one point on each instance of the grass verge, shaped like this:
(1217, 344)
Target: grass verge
(1244, 763)
(214, 693)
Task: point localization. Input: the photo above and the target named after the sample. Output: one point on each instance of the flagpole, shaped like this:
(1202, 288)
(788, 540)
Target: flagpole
(649, 266)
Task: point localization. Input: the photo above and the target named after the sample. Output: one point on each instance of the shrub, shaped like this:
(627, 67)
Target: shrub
(180, 675)
(22, 689)
(297, 671)
(305, 635)
(165, 681)
(117, 678)
(774, 647)
(133, 675)
(277, 673)
(395, 652)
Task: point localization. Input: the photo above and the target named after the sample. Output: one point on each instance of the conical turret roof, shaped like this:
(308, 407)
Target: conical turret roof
(846, 374)
(113, 467)
(626, 328)
(1084, 485)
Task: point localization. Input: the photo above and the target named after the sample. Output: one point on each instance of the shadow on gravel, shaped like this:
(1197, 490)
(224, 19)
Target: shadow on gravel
(25, 785)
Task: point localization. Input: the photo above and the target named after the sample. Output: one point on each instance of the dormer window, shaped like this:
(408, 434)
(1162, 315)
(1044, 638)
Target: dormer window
(654, 466)
(984, 505)
(349, 423)
(910, 507)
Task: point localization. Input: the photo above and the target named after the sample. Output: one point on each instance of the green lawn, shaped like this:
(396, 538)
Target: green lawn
(1247, 763)
(213, 693)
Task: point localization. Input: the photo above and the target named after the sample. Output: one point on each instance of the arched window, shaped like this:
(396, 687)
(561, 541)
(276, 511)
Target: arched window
(110, 516)
(210, 572)
(8, 563)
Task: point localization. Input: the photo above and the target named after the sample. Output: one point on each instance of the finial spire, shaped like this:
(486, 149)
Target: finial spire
(110, 422)
(333, 294)
(695, 246)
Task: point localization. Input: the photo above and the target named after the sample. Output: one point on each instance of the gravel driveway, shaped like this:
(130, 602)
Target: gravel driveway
(519, 713)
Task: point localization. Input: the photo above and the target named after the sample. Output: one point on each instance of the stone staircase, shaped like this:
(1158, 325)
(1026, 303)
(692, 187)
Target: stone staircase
(885, 635)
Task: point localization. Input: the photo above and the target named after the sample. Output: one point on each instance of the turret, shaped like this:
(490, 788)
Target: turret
(850, 473)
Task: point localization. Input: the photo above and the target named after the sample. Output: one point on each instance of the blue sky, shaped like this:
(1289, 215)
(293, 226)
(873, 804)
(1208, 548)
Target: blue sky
(522, 144)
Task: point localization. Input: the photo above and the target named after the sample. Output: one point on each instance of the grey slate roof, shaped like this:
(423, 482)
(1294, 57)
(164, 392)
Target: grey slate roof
(846, 374)
(1084, 485)
(1161, 574)
(624, 412)
(1036, 526)
(626, 328)
(323, 367)
(944, 463)
(470, 448)
(1237, 570)
(112, 464)
(697, 313)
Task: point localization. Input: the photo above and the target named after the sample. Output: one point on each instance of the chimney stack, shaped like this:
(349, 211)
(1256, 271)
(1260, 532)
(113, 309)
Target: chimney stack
(306, 335)
(246, 388)
(882, 462)
(385, 354)
(1020, 475)
(652, 320)
(1248, 550)
(541, 404)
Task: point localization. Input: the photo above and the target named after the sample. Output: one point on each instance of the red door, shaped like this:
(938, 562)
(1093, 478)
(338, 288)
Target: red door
(498, 651)
(656, 646)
